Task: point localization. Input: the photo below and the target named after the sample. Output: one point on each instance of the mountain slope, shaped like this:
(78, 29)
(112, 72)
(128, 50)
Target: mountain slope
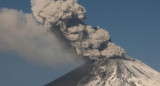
(111, 72)
(71, 78)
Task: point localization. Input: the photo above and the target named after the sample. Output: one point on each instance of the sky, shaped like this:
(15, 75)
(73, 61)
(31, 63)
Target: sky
(133, 25)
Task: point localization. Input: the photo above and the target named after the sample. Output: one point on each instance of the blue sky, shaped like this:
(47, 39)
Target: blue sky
(133, 24)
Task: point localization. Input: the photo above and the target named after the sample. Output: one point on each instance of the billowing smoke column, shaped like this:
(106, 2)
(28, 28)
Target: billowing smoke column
(65, 19)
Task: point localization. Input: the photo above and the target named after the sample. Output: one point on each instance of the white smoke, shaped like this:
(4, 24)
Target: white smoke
(65, 19)
(20, 33)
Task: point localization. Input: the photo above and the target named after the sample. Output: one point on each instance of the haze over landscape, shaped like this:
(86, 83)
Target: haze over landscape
(41, 44)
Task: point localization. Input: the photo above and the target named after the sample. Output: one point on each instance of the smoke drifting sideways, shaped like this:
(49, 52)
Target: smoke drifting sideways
(21, 34)
(65, 19)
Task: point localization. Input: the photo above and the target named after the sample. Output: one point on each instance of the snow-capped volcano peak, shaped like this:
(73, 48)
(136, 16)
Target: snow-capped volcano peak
(111, 72)
(119, 72)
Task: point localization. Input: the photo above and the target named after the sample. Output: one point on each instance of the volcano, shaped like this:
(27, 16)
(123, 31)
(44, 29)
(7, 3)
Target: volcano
(111, 72)
(107, 64)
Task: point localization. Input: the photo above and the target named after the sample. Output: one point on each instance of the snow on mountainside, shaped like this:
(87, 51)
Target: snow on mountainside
(111, 72)
(118, 72)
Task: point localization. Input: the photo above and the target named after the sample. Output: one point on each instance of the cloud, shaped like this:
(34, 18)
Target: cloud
(20, 33)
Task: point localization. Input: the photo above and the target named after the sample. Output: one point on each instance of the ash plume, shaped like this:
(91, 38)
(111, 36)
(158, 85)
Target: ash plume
(62, 38)
(21, 34)
(65, 19)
